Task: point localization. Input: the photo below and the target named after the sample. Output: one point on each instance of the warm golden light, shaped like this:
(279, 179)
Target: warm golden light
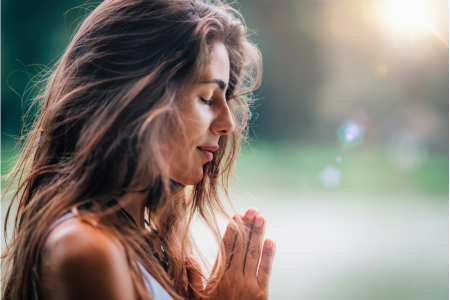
(409, 15)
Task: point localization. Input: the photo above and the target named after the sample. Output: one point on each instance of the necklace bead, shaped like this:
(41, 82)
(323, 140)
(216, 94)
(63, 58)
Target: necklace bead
(165, 262)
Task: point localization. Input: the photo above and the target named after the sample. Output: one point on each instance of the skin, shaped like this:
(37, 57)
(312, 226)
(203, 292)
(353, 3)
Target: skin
(204, 122)
(250, 264)
(82, 262)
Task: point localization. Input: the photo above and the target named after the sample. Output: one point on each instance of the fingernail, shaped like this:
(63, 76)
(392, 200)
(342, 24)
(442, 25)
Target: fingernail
(251, 213)
(258, 221)
(268, 244)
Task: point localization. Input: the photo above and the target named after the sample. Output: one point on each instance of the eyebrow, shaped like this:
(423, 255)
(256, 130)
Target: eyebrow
(219, 82)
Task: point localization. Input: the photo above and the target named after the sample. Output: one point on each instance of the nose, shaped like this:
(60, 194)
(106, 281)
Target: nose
(223, 122)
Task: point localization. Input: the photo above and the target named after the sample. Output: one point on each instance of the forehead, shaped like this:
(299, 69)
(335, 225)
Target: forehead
(219, 65)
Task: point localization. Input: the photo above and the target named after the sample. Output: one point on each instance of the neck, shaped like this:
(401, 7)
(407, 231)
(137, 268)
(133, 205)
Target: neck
(134, 204)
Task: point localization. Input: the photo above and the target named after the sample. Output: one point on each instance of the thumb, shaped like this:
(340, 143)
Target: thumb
(194, 273)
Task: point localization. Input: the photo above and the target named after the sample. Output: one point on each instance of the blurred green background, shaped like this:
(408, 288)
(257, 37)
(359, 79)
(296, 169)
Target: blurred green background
(381, 230)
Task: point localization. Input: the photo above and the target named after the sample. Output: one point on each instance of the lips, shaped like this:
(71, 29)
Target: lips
(207, 151)
(212, 148)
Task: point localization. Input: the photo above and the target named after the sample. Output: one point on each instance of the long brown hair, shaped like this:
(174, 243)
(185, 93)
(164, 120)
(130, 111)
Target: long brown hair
(102, 114)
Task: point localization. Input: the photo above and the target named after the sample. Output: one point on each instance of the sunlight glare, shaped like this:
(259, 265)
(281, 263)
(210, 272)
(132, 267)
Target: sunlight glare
(409, 15)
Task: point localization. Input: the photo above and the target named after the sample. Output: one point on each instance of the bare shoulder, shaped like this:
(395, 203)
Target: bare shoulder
(80, 261)
(74, 240)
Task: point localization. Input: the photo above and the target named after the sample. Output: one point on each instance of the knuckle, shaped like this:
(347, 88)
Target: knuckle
(269, 253)
(248, 223)
(253, 253)
(257, 230)
(228, 246)
(265, 270)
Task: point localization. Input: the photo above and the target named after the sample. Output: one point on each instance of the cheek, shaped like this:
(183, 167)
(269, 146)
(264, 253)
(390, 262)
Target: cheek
(196, 119)
(183, 160)
(184, 166)
(196, 126)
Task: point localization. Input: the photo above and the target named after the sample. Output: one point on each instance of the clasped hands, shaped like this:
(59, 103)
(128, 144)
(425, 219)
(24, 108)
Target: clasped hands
(249, 264)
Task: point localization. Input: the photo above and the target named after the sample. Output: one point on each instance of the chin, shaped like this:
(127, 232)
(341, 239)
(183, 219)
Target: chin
(192, 179)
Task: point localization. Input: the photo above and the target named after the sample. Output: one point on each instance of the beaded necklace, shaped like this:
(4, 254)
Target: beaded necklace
(165, 262)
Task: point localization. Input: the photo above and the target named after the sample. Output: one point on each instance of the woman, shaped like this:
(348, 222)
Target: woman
(140, 124)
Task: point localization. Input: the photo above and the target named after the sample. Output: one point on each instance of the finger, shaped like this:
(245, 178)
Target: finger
(194, 272)
(254, 246)
(229, 239)
(241, 243)
(265, 267)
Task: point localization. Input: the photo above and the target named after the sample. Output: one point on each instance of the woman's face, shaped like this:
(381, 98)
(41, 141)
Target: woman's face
(206, 117)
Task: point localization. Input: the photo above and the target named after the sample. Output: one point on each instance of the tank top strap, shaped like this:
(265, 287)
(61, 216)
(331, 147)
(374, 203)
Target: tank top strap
(154, 287)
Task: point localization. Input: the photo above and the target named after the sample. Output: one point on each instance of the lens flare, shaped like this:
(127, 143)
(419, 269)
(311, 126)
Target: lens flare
(350, 134)
(330, 177)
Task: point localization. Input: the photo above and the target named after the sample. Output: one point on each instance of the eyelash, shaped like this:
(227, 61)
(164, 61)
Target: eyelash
(207, 102)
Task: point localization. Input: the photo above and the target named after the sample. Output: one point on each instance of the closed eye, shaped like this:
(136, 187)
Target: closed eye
(207, 102)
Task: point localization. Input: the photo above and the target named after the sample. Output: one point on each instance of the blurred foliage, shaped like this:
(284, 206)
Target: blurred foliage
(324, 62)
(34, 34)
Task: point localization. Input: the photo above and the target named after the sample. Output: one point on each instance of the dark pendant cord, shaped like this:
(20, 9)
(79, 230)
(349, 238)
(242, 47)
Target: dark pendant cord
(165, 262)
